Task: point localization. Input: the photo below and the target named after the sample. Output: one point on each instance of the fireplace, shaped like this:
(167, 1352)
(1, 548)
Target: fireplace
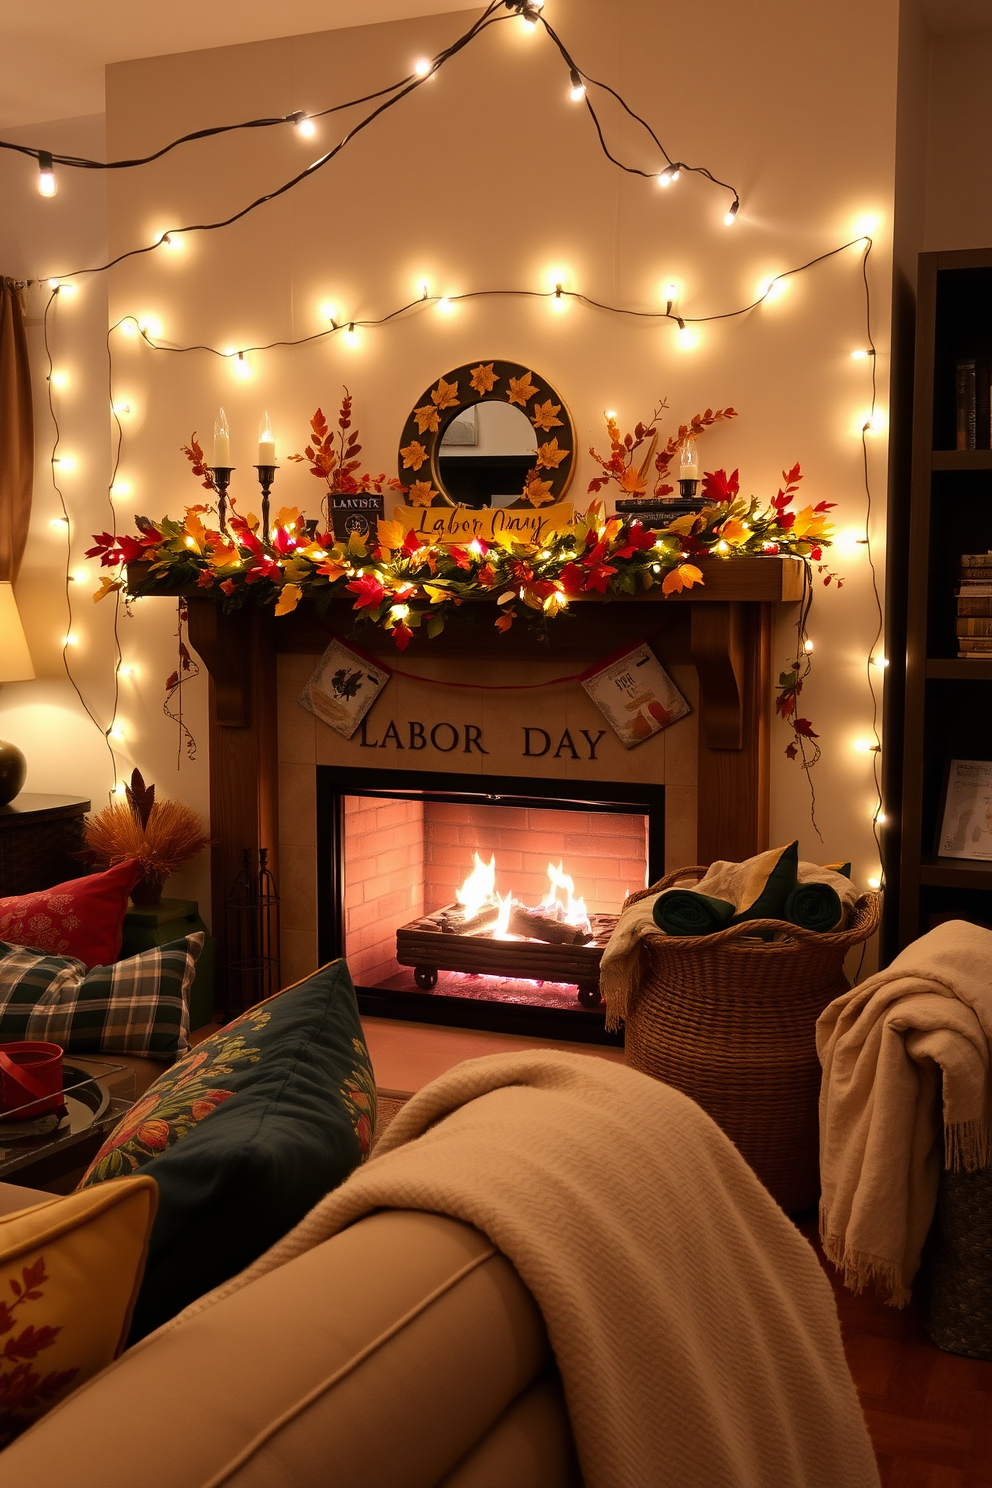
(394, 852)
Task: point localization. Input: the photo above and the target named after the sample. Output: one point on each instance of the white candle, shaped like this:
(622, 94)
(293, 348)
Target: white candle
(266, 442)
(222, 440)
(689, 465)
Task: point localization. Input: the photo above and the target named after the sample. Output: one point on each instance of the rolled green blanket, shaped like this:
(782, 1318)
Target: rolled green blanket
(684, 912)
(814, 906)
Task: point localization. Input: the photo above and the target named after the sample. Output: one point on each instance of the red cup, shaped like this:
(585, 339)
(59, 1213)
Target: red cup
(30, 1072)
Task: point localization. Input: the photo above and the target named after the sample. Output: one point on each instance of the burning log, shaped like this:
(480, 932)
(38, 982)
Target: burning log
(453, 921)
(538, 926)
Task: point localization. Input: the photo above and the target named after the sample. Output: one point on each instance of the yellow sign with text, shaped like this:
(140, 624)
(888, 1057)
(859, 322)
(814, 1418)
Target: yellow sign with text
(460, 524)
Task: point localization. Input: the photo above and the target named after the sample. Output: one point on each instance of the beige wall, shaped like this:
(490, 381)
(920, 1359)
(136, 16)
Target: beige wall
(959, 156)
(491, 177)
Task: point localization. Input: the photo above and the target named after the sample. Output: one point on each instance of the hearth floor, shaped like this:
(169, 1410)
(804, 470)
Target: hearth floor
(407, 1056)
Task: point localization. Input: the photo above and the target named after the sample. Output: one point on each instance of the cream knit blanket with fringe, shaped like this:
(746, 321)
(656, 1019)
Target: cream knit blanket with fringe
(694, 1329)
(884, 1047)
(620, 968)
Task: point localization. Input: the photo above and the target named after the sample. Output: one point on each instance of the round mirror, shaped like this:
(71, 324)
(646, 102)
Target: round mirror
(489, 434)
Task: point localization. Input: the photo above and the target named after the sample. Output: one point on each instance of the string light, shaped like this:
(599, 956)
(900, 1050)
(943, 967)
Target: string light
(880, 661)
(862, 355)
(305, 126)
(807, 646)
(351, 336)
(731, 216)
(445, 305)
(46, 174)
(172, 240)
(59, 379)
(120, 488)
(670, 175)
(120, 409)
(578, 88)
(423, 67)
(66, 463)
(866, 746)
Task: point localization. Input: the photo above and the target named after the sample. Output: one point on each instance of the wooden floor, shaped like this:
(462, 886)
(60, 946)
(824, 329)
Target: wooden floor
(929, 1413)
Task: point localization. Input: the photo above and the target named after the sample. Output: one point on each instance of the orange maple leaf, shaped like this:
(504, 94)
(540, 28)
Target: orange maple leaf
(549, 456)
(682, 577)
(445, 395)
(521, 388)
(422, 493)
(734, 532)
(504, 622)
(413, 454)
(427, 419)
(544, 418)
(632, 482)
(537, 492)
(483, 378)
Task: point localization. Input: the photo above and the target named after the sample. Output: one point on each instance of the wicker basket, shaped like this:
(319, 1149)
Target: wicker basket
(729, 1019)
(957, 1265)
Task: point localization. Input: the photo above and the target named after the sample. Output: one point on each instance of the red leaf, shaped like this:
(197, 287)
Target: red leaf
(791, 750)
(369, 590)
(804, 727)
(719, 486)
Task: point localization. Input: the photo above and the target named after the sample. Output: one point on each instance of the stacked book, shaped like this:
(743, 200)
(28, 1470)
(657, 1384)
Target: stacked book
(974, 627)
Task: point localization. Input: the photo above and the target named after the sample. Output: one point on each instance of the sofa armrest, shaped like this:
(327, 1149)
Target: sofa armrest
(390, 1350)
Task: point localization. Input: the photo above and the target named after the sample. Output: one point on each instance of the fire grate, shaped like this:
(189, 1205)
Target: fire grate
(547, 951)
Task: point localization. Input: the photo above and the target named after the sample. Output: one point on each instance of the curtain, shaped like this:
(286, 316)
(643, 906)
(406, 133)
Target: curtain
(16, 431)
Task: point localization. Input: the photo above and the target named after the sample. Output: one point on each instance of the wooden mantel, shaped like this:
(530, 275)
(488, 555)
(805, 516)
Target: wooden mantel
(724, 627)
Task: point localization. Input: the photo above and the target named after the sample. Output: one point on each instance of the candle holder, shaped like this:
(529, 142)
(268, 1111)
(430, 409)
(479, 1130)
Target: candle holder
(688, 489)
(266, 475)
(222, 479)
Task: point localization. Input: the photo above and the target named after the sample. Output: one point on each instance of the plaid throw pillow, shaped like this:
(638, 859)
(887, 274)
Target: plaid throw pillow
(136, 1006)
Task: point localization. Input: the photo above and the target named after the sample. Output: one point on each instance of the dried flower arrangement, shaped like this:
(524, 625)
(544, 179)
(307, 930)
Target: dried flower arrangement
(161, 834)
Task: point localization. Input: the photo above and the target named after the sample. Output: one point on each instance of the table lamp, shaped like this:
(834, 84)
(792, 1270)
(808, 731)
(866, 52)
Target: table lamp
(15, 666)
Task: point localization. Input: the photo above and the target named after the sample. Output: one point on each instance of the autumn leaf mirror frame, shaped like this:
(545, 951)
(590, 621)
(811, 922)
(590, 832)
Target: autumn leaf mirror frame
(488, 382)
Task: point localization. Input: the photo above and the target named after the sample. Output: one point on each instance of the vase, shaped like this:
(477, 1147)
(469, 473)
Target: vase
(13, 770)
(147, 892)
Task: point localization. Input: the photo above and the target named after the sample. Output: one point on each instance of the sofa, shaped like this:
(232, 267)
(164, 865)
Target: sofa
(388, 1357)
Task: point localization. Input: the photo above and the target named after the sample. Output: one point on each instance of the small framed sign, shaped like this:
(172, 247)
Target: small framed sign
(966, 826)
(343, 687)
(635, 694)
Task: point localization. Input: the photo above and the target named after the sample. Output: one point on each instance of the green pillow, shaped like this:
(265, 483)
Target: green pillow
(771, 878)
(244, 1135)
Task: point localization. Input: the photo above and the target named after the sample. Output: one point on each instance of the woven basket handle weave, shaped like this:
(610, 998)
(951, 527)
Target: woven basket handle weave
(863, 922)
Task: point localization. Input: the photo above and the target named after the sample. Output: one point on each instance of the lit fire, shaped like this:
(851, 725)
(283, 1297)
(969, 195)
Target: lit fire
(478, 893)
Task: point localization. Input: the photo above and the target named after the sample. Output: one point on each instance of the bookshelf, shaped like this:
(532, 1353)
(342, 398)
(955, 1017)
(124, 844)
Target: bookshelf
(947, 698)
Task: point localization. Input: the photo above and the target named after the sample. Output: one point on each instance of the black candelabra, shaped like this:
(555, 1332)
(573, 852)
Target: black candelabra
(266, 475)
(222, 480)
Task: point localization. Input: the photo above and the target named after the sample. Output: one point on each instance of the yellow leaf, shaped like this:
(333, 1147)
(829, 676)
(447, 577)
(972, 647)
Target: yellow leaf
(436, 594)
(413, 454)
(107, 586)
(537, 492)
(295, 568)
(555, 603)
(427, 419)
(544, 418)
(631, 481)
(195, 529)
(521, 388)
(422, 493)
(333, 569)
(733, 532)
(289, 597)
(390, 534)
(483, 379)
(356, 545)
(286, 518)
(682, 525)
(445, 395)
(549, 456)
(682, 577)
(506, 540)
(222, 553)
(810, 523)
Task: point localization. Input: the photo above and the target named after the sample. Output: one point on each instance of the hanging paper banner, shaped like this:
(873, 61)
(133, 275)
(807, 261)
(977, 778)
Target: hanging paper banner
(458, 525)
(343, 687)
(635, 694)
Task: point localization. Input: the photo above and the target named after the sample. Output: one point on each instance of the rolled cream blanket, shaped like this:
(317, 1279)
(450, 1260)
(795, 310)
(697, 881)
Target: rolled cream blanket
(687, 912)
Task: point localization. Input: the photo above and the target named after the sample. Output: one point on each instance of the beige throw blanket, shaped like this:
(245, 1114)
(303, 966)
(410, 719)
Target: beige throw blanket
(693, 1326)
(620, 969)
(885, 1047)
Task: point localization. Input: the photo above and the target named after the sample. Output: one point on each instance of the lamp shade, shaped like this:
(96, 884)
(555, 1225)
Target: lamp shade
(15, 658)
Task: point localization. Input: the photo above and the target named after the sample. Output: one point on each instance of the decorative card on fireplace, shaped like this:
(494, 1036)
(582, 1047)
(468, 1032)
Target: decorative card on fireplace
(635, 694)
(343, 687)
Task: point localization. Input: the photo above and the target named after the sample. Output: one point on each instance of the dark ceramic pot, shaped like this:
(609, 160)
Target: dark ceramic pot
(13, 771)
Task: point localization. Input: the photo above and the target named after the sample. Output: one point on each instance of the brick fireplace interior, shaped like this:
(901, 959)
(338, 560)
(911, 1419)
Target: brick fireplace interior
(390, 855)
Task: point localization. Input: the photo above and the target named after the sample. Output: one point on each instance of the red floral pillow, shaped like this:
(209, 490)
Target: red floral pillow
(82, 918)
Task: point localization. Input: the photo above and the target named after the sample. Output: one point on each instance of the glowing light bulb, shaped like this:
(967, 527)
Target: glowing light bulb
(66, 463)
(874, 883)
(79, 575)
(58, 522)
(880, 661)
(865, 746)
(329, 312)
(860, 355)
(62, 288)
(669, 175)
(611, 413)
(59, 379)
(351, 336)
(172, 240)
(242, 366)
(445, 306)
(306, 127)
(120, 488)
(125, 671)
(687, 337)
(578, 89)
(558, 300)
(867, 225)
(807, 647)
(117, 734)
(150, 327)
(69, 639)
(526, 24)
(879, 816)
(120, 789)
(121, 409)
(671, 291)
(191, 542)
(723, 547)
(731, 216)
(46, 174)
(399, 612)
(423, 68)
(128, 326)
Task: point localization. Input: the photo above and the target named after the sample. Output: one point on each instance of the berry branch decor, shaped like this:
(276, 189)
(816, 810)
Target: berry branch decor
(404, 584)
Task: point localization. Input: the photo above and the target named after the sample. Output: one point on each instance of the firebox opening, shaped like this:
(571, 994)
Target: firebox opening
(487, 905)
